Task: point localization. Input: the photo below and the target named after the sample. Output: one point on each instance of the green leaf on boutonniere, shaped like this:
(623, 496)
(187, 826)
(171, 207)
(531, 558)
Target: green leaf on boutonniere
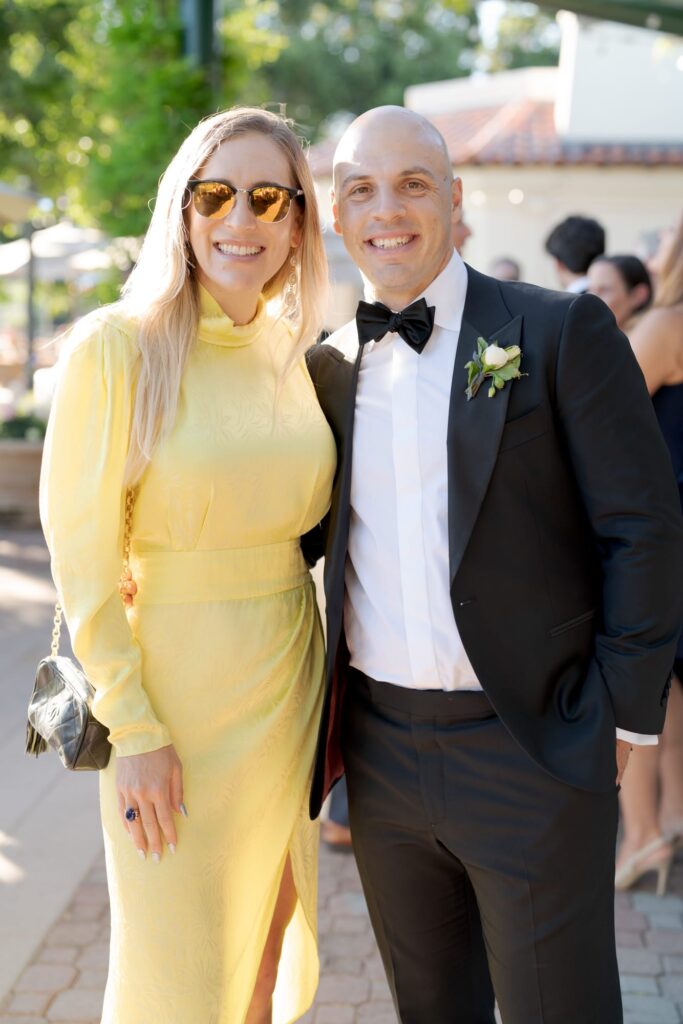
(509, 372)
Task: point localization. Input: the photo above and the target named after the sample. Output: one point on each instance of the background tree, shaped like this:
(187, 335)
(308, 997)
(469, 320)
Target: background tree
(37, 122)
(100, 95)
(525, 37)
(353, 54)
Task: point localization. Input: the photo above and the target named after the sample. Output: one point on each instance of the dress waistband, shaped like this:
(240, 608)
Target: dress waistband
(176, 577)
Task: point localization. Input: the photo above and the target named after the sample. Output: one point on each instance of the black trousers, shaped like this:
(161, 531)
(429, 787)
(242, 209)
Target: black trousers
(482, 872)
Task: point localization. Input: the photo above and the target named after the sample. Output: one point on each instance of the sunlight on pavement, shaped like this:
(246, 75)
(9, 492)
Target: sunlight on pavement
(17, 586)
(9, 871)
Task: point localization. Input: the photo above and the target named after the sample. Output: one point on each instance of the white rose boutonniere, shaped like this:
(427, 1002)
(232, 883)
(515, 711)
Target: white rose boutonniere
(497, 364)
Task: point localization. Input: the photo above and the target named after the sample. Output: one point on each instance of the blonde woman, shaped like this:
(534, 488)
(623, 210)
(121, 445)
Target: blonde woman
(651, 797)
(192, 391)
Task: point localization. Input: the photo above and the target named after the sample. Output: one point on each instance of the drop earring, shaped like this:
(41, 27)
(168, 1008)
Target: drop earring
(290, 292)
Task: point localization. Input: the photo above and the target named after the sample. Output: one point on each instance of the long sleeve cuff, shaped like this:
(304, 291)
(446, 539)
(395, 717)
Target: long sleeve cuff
(139, 741)
(637, 739)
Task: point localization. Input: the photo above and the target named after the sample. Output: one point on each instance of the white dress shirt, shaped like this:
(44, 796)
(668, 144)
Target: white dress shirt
(578, 286)
(398, 616)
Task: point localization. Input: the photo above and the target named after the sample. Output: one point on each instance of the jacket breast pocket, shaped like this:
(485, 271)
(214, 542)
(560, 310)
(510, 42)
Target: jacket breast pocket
(578, 620)
(525, 428)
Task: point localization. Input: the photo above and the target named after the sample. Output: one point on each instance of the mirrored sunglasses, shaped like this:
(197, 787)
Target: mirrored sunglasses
(215, 199)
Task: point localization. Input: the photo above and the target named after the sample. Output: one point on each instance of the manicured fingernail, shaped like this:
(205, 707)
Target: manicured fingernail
(141, 854)
(183, 811)
(156, 857)
(171, 847)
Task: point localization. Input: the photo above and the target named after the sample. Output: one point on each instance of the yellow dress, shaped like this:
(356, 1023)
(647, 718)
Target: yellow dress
(222, 654)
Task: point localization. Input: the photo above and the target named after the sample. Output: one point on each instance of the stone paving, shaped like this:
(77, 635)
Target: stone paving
(64, 981)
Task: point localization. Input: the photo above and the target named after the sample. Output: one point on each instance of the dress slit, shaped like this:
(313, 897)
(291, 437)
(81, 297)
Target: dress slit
(300, 931)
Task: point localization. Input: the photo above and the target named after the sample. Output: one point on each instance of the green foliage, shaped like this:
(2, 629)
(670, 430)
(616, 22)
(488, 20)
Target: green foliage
(37, 122)
(526, 37)
(137, 103)
(107, 289)
(353, 54)
(29, 428)
(147, 97)
(54, 300)
(98, 96)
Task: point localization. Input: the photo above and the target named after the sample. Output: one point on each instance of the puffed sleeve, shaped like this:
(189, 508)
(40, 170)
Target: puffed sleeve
(82, 501)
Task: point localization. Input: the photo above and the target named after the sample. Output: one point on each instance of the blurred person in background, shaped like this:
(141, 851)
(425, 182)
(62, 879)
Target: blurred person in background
(193, 391)
(658, 256)
(461, 232)
(646, 246)
(652, 793)
(574, 243)
(336, 832)
(506, 269)
(623, 283)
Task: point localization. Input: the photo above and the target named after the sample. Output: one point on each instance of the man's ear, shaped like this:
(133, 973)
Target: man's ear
(640, 294)
(456, 200)
(335, 214)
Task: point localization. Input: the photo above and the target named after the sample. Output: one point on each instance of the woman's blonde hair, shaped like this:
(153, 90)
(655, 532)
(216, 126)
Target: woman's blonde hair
(162, 293)
(669, 291)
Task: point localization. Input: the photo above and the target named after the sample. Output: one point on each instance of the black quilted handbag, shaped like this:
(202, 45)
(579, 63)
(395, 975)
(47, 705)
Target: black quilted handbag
(60, 717)
(60, 714)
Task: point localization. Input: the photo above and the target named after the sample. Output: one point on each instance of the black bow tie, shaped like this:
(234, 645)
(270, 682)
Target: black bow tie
(414, 324)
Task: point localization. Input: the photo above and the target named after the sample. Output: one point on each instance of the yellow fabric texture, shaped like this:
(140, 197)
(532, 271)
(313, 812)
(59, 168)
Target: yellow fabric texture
(222, 654)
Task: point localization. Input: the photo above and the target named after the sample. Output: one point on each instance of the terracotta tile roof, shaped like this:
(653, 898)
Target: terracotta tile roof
(523, 132)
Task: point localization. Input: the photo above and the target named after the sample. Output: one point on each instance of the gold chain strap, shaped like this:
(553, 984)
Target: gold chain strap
(56, 630)
(128, 527)
(130, 502)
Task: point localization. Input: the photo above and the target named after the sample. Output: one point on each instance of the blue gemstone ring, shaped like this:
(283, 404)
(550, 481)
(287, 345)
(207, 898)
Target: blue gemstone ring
(132, 813)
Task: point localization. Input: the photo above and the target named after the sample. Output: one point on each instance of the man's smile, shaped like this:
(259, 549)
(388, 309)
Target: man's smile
(390, 243)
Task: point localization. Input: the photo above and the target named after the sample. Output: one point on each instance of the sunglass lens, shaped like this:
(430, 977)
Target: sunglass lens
(270, 203)
(213, 199)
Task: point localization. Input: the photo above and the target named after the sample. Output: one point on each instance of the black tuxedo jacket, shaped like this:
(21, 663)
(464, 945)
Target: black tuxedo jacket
(565, 532)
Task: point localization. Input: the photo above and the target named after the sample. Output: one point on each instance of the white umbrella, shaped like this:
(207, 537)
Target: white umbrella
(120, 254)
(65, 239)
(52, 251)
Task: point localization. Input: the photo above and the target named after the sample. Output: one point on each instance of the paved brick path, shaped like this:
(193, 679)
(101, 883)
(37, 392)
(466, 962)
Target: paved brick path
(64, 981)
(66, 978)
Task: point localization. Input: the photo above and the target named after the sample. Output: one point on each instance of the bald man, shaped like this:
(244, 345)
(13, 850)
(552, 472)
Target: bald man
(503, 560)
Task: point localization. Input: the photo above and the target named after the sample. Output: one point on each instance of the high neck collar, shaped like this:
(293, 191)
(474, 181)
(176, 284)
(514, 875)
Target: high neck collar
(216, 327)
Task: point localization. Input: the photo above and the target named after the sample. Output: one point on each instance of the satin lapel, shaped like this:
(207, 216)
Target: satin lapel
(335, 559)
(350, 401)
(475, 427)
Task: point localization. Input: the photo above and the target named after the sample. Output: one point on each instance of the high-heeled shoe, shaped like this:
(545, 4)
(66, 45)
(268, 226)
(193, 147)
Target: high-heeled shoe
(674, 834)
(636, 866)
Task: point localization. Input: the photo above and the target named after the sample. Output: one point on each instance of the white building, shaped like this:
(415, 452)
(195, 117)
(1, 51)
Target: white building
(600, 135)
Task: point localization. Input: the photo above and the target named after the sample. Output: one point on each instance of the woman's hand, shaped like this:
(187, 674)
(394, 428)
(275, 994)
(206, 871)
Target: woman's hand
(152, 785)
